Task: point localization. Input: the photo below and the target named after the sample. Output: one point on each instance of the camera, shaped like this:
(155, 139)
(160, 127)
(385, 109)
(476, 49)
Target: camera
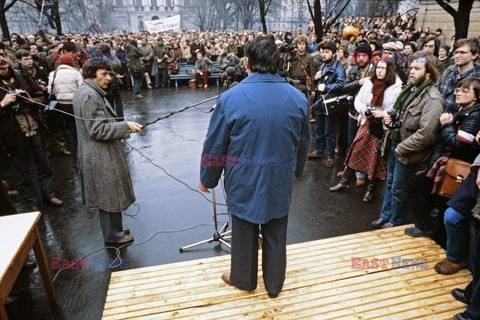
(287, 48)
(396, 117)
(40, 82)
(20, 106)
(369, 111)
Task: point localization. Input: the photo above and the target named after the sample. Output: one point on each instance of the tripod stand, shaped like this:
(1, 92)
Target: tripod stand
(219, 235)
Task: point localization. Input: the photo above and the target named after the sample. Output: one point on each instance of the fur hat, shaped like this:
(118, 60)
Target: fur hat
(364, 48)
(329, 45)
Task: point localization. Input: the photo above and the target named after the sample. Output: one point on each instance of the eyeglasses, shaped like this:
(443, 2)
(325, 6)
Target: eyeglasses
(462, 90)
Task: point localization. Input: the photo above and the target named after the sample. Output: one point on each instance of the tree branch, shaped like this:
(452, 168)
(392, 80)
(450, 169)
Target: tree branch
(310, 9)
(28, 4)
(447, 7)
(333, 10)
(329, 24)
(9, 5)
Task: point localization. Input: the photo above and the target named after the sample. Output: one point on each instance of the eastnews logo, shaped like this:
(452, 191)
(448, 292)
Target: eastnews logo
(96, 263)
(392, 263)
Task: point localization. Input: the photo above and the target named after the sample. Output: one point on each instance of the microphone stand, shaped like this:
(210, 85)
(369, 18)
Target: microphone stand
(219, 235)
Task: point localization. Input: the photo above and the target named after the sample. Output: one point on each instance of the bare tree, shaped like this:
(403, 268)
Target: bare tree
(263, 6)
(332, 15)
(4, 7)
(247, 9)
(461, 16)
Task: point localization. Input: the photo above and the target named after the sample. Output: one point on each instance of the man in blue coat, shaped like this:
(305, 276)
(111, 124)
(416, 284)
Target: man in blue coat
(259, 134)
(329, 81)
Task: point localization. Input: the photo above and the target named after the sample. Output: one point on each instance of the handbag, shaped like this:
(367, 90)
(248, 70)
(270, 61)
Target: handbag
(456, 171)
(52, 99)
(175, 67)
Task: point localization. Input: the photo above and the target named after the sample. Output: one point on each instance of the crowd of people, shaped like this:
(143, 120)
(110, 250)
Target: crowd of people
(391, 101)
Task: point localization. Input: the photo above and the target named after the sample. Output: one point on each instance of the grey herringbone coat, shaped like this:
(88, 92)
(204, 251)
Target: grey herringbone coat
(102, 162)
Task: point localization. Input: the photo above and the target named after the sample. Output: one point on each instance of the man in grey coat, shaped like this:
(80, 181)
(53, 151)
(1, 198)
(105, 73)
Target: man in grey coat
(102, 163)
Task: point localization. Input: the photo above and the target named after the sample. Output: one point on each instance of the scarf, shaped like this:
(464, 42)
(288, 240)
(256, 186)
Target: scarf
(378, 91)
(404, 99)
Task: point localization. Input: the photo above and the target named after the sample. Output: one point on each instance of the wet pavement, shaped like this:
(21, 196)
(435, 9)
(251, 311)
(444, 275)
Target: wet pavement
(168, 214)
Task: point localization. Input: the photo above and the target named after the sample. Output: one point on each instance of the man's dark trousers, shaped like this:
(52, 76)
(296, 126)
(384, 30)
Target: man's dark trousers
(244, 262)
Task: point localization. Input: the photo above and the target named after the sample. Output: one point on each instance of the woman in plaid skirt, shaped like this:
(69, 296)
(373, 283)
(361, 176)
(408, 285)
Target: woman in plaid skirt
(376, 97)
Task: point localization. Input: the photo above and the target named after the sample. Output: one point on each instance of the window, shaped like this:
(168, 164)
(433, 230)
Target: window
(186, 3)
(153, 3)
(119, 3)
(137, 3)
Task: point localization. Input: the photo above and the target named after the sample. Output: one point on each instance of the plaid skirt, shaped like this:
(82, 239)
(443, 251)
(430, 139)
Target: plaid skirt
(364, 154)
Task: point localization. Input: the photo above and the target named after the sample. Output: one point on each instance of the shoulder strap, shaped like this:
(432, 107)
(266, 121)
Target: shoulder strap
(53, 81)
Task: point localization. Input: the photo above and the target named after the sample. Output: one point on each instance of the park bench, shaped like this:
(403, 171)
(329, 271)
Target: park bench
(215, 73)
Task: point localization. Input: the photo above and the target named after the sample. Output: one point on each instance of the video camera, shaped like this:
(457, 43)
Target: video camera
(286, 49)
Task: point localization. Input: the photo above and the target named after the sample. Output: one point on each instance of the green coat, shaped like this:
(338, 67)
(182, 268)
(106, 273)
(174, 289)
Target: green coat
(134, 58)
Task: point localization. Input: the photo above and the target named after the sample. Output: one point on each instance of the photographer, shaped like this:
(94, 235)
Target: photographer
(329, 81)
(302, 70)
(415, 124)
(23, 127)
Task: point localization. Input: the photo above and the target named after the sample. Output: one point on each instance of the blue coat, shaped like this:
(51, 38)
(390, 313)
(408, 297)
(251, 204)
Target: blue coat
(260, 130)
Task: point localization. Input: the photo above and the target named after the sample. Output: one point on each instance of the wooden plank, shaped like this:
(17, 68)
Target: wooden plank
(320, 283)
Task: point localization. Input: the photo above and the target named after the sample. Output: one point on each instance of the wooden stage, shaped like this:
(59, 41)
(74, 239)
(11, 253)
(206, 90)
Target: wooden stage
(320, 284)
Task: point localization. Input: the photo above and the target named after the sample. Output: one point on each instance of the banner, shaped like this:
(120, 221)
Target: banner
(170, 23)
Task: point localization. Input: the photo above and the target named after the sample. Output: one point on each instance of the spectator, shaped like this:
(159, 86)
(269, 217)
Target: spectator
(378, 94)
(22, 127)
(329, 80)
(465, 53)
(202, 69)
(419, 106)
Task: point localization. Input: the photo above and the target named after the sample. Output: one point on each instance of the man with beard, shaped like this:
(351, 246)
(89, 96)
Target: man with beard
(329, 81)
(356, 77)
(412, 138)
(302, 69)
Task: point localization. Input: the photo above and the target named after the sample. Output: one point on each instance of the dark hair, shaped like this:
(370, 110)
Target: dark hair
(391, 76)
(412, 45)
(22, 53)
(430, 63)
(467, 42)
(69, 46)
(435, 42)
(90, 68)
(473, 83)
(262, 54)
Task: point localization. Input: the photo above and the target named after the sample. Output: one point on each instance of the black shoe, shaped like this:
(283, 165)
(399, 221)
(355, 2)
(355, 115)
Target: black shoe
(459, 294)
(377, 224)
(462, 316)
(272, 296)
(415, 232)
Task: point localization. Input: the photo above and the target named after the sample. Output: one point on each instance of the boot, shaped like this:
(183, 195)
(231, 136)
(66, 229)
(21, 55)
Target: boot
(344, 182)
(372, 185)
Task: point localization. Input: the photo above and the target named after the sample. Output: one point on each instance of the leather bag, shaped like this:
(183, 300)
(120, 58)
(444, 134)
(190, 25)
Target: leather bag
(456, 171)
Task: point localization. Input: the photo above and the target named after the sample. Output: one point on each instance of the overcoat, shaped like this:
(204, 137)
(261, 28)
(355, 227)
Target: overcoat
(102, 163)
(261, 128)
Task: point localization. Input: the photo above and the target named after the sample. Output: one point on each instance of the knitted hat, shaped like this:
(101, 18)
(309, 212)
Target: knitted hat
(446, 47)
(364, 48)
(66, 59)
